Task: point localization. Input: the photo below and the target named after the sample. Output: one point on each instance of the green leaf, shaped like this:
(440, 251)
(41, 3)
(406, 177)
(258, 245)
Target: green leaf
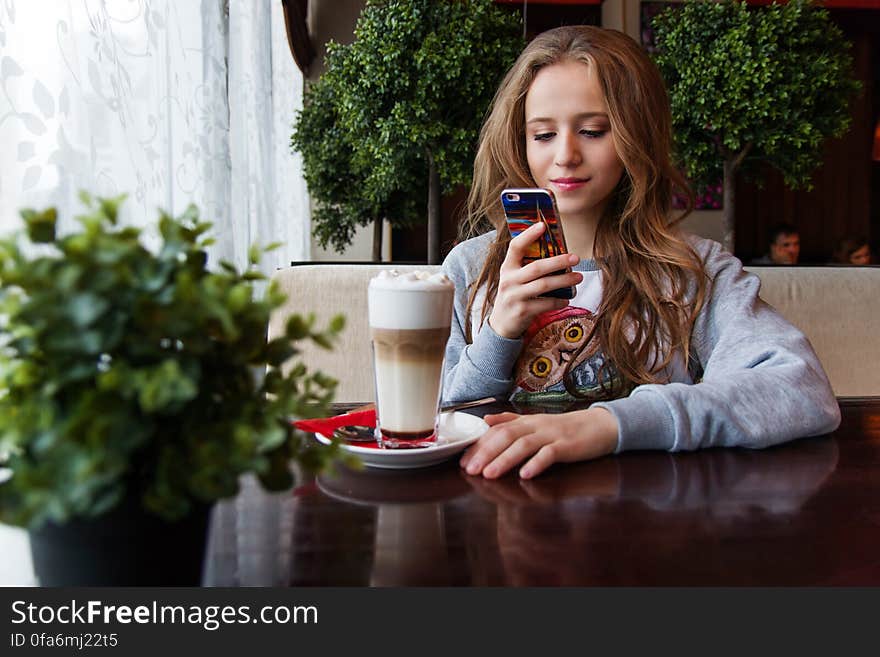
(298, 327)
(40, 225)
(85, 308)
(85, 198)
(254, 254)
(165, 388)
(337, 323)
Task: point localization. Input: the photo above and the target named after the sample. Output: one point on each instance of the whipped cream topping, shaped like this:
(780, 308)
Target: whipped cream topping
(391, 279)
(414, 300)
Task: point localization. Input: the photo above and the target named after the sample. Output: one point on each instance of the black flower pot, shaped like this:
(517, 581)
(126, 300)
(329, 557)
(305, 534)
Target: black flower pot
(125, 547)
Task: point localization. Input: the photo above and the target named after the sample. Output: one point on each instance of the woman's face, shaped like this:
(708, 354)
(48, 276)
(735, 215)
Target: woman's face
(569, 147)
(861, 256)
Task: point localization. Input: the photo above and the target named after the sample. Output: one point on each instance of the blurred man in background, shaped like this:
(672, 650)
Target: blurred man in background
(785, 246)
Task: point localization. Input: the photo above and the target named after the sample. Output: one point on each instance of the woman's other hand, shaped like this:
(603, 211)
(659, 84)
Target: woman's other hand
(538, 441)
(518, 300)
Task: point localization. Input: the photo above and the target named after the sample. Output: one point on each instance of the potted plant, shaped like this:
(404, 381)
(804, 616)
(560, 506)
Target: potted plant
(133, 394)
(394, 120)
(751, 86)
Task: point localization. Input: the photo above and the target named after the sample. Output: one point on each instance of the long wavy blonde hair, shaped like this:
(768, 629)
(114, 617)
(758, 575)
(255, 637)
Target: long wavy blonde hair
(654, 283)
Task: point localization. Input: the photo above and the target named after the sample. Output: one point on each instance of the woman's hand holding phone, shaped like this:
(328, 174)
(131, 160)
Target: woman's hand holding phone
(518, 300)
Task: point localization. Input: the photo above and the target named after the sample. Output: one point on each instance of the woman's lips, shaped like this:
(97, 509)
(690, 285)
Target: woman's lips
(569, 184)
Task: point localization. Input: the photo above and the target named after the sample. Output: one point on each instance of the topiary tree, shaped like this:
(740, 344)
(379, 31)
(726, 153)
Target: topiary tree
(752, 86)
(336, 185)
(394, 120)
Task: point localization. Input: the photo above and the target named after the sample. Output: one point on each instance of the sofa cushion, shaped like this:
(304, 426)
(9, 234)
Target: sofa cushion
(838, 309)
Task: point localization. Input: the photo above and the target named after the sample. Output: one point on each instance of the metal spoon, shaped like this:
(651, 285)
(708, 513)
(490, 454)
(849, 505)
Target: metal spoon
(355, 433)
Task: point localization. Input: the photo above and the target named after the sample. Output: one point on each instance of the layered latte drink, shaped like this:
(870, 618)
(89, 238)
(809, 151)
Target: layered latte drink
(410, 316)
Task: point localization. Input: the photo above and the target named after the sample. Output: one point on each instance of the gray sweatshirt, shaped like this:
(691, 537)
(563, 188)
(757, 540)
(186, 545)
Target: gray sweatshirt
(758, 381)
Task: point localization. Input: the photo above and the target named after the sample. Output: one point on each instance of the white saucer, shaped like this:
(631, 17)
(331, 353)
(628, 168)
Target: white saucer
(456, 431)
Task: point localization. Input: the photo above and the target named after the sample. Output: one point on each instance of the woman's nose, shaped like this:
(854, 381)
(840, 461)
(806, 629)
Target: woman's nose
(568, 153)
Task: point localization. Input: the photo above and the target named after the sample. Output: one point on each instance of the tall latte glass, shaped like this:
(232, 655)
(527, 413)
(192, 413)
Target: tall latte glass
(410, 316)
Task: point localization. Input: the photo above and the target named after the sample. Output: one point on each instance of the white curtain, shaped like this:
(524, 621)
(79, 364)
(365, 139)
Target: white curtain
(170, 101)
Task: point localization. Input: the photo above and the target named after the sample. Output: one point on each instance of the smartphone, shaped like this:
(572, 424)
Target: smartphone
(524, 207)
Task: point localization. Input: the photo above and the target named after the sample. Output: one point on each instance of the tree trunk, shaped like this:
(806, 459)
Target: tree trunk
(433, 212)
(728, 212)
(377, 238)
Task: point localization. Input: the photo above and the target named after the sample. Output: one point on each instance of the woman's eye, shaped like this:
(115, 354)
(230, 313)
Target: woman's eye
(543, 136)
(595, 134)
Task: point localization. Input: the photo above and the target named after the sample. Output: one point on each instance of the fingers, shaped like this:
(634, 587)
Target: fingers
(492, 420)
(543, 459)
(512, 265)
(546, 266)
(513, 312)
(503, 451)
(497, 418)
(544, 284)
(543, 274)
(538, 441)
(488, 445)
(506, 444)
(515, 453)
(519, 298)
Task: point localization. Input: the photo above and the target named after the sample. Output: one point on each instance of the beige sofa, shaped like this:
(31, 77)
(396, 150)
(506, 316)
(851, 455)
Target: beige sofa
(838, 308)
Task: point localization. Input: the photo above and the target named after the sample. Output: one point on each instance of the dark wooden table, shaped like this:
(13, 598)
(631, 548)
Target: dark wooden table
(806, 513)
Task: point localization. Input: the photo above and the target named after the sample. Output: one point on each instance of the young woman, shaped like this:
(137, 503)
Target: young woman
(666, 334)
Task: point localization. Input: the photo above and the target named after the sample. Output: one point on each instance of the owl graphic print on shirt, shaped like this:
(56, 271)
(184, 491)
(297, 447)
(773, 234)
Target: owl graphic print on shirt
(557, 340)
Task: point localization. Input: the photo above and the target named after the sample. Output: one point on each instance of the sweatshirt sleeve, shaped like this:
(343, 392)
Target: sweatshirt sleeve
(762, 383)
(483, 368)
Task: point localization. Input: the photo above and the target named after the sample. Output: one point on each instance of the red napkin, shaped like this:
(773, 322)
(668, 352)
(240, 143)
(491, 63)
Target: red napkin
(326, 426)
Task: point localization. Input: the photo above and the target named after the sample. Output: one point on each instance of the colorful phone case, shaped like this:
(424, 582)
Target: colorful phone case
(524, 207)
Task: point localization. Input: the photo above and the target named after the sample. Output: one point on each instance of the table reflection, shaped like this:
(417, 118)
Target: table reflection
(715, 516)
(658, 518)
(410, 524)
(725, 482)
